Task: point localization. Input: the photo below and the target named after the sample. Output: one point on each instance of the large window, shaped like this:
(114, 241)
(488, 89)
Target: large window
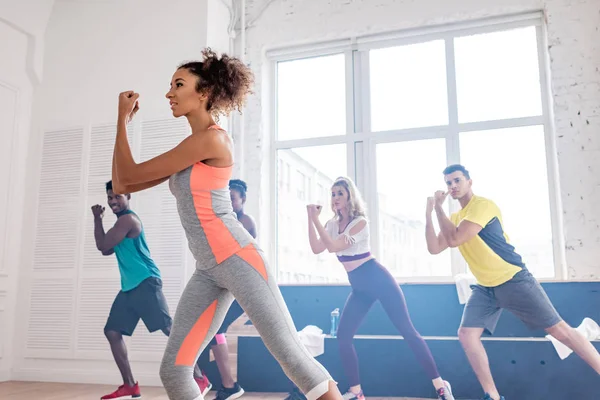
(392, 114)
(408, 86)
(407, 173)
(315, 168)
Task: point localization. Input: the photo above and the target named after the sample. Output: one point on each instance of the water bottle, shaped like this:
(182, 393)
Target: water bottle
(335, 318)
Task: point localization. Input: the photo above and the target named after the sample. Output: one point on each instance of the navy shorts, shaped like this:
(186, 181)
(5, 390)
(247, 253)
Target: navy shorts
(146, 302)
(522, 296)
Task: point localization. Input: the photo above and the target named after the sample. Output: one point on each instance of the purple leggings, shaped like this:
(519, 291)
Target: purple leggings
(370, 282)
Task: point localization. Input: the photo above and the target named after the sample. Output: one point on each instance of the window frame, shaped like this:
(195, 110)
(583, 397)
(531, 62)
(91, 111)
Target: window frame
(361, 142)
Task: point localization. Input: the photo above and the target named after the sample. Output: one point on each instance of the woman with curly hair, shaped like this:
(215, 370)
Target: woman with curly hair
(229, 262)
(347, 235)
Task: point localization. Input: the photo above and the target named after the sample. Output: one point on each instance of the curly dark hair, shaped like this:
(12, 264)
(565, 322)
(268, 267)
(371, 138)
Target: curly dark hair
(239, 185)
(226, 81)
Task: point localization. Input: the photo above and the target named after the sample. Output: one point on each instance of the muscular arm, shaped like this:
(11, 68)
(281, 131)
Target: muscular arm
(455, 236)
(99, 236)
(129, 177)
(340, 243)
(436, 243)
(105, 242)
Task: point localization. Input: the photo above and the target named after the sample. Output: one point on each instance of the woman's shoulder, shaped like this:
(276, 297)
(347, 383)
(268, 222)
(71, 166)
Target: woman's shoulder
(358, 219)
(247, 218)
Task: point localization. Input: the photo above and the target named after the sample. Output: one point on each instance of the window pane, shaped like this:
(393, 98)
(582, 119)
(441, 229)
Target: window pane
(508, 166)
(408, 86)
(311, 97)
(305, 176)
(497, 75)
(408, 173)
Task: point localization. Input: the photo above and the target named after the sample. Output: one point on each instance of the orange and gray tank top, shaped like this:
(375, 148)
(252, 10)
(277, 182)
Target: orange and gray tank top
(204, 205)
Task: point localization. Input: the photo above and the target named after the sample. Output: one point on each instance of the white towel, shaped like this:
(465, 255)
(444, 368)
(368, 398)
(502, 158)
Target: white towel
(313, 339)
(463, 286)
(588, 328)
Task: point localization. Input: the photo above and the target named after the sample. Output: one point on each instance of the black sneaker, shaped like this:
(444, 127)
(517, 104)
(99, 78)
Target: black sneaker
(296, 394)
(488, 397)
(229, 393)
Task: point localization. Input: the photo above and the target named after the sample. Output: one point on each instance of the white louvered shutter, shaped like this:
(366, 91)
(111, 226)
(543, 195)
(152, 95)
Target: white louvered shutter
(166, 239)
(50, 315)
(52, 291)
(59, 199)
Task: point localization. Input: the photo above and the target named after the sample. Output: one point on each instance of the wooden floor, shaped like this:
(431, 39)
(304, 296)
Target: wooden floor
(63, 391)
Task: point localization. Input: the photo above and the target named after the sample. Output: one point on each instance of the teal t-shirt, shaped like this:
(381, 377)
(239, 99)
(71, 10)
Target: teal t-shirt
(135, 262)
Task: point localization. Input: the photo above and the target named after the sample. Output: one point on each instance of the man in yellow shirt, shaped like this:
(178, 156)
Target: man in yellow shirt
(503, 281)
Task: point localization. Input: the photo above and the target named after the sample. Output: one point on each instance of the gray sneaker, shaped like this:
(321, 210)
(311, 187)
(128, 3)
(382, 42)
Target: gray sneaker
(349, 395)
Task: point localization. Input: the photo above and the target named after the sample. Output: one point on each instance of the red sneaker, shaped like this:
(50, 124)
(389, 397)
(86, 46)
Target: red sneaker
(204, 384)
(124, 392)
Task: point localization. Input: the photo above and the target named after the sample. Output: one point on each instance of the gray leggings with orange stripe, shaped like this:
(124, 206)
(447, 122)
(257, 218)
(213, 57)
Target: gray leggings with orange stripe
(201, 310)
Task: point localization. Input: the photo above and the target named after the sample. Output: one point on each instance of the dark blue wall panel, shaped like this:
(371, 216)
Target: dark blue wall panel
(435, 309)
(522, 369)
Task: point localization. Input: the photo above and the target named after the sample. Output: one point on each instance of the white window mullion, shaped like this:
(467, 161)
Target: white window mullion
(458, 265)
(452, 148)
(351, 99)
(359, 155)
(315, 141)
(556, 215)
(371, 197)
(365, 151)
(307, 51)
(502, 123)
(407, 135)
(352, 105)
(364, 83)
(274, 171)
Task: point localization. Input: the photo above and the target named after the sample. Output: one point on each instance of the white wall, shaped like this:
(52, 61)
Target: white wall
(574, 59)
(218, 23)
(220, 18)
(93, 51)
(21, 46)
(30, 18)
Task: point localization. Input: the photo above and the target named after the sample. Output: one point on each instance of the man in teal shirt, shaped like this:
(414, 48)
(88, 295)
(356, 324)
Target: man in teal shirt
(141, 295)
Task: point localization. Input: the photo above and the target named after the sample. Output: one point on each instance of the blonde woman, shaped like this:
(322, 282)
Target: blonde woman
(347, 235)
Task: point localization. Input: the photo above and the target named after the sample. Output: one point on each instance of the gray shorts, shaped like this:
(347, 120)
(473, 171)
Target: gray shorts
(522, 295)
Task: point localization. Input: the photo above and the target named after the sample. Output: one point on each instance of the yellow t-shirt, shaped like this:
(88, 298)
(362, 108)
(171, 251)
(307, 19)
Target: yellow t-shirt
(491, 258)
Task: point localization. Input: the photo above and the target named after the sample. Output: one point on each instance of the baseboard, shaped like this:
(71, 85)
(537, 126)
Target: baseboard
(100, 377)
(5, 375)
